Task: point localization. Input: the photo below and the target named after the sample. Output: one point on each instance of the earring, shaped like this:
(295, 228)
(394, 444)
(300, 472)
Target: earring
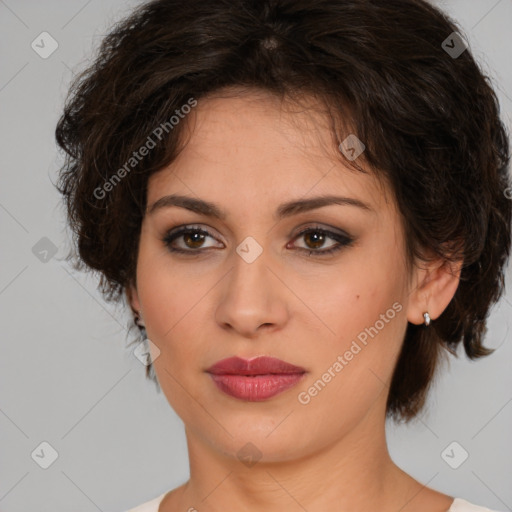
(426, 316)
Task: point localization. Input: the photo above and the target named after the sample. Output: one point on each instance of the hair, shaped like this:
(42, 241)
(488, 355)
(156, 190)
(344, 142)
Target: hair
(429, 122)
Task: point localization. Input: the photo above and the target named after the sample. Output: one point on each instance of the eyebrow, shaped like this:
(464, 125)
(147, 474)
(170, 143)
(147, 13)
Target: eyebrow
(284, 210)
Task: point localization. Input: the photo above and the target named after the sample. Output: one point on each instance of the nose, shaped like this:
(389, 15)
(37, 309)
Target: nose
(252, 298)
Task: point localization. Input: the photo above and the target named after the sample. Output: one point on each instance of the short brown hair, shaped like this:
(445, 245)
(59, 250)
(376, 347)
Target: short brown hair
(429, 121)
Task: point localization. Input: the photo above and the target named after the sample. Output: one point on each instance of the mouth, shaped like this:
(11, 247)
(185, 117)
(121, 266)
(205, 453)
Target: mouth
(256, 379)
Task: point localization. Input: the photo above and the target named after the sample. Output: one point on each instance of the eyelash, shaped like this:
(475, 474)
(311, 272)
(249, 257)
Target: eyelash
(343, 240)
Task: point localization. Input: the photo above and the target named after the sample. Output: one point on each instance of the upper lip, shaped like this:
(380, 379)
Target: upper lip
(257, 366)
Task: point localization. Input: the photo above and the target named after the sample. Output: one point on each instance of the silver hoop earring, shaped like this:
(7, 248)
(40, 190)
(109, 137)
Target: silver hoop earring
(426, 316)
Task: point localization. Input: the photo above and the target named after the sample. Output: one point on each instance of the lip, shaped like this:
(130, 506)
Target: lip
(262, 365)
(256, 379)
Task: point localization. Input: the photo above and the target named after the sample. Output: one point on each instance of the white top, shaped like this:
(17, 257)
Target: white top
(458, 505)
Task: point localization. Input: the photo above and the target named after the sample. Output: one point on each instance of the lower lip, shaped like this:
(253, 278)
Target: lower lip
(258, 387)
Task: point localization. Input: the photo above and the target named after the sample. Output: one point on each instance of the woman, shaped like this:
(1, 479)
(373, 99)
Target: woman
(305, 205)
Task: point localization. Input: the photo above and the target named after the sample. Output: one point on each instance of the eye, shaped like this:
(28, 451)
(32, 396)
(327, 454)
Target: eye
(316, 237)
(193, 238)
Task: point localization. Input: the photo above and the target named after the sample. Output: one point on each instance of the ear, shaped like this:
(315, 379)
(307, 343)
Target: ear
(133, 299)
(433, 287)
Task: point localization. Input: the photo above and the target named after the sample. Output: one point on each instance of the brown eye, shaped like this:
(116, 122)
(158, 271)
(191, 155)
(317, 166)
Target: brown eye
(315, 239)
(192, 238)
(193, 241)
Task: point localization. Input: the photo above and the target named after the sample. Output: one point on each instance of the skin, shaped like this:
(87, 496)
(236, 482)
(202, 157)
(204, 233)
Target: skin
(248, 154)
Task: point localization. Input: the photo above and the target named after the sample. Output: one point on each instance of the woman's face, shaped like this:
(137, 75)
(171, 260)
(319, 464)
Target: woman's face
(254, 286)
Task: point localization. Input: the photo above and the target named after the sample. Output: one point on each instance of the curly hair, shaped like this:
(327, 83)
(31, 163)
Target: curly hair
(429, 120)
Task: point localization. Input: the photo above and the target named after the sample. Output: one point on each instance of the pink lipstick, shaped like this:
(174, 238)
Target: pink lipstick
(256, 379)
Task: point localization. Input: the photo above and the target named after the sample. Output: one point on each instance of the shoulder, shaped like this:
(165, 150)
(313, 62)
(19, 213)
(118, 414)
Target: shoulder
(149, 506)
(460, 505)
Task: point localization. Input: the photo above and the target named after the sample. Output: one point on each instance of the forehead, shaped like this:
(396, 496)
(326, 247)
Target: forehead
(254, 142)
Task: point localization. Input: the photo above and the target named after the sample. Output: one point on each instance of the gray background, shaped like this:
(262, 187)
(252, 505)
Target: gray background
(66, 375)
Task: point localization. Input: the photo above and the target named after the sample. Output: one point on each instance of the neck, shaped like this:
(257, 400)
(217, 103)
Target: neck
(353, 473)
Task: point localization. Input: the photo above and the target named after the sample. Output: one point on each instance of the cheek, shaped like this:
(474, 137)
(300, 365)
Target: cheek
(363, 318)
(353, 368)
(351, 299)
(164, 291)
(175, 302)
